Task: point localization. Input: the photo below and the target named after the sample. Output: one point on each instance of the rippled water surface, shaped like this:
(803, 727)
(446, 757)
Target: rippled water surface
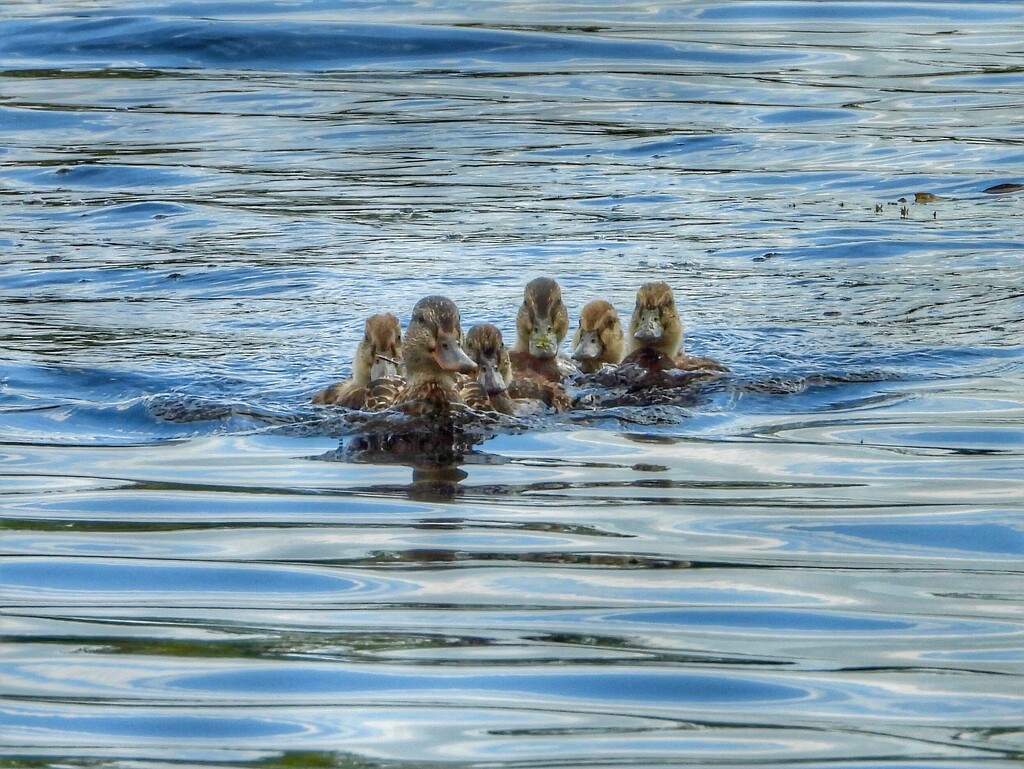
(816, 562)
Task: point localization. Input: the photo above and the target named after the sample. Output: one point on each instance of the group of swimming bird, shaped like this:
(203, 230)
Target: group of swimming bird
(433, 369)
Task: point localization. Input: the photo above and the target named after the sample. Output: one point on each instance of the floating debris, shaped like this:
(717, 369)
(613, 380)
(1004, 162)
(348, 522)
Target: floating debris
(1003, 189)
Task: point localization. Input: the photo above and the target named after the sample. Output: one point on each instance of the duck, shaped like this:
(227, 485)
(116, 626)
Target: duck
(655, 334)
(489, 390)
(378, 359)
(599, 340)
(433, 356)
(541, 325)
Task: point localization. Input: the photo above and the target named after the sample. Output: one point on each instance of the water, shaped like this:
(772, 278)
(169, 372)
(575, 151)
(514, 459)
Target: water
(817, 562)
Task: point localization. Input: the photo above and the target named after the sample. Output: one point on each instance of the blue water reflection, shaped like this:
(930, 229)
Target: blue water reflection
(91, 578)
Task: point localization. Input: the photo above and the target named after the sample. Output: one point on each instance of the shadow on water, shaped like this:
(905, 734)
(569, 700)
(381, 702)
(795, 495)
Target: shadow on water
(435, 450)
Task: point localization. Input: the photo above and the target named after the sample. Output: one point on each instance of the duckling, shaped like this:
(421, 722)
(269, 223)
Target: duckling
(656, 334)
(598, 340)
(433, 355)
(541, 325)
(489, 391)
(496, 388)
(378, 357)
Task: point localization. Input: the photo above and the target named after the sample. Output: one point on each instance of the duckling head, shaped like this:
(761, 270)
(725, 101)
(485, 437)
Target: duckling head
(487, 349)
(655, 324)
(543, 321)
(599, 338)
(432, 346)
(379, 355)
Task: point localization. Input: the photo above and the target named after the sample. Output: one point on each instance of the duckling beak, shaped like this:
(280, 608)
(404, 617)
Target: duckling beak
(543, 343)
(650, 328)
(383, 368)
(490, 378)
(589, 348)
(450, 356)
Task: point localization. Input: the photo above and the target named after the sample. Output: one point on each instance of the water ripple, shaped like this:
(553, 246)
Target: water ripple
(145, 42)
